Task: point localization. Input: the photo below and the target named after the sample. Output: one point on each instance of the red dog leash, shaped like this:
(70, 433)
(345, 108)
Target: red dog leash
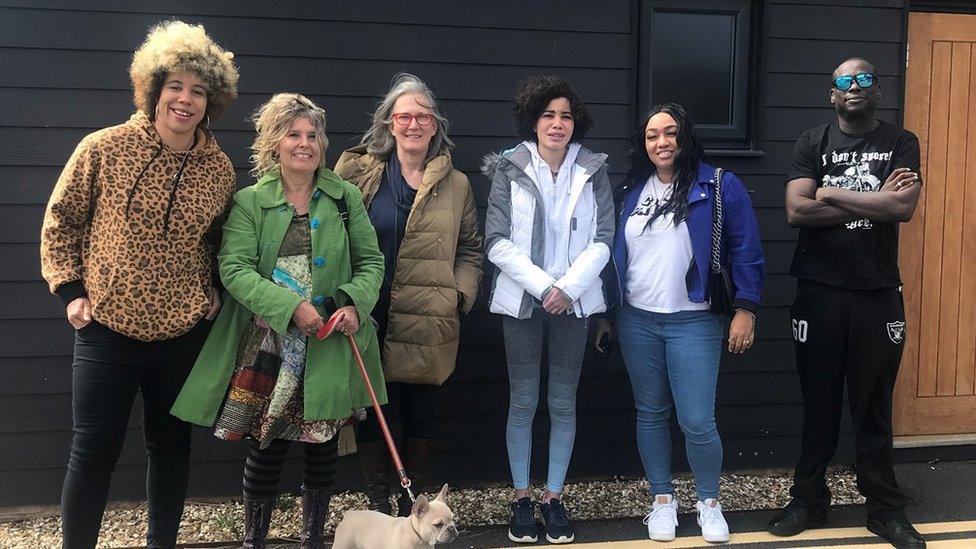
(324, 332)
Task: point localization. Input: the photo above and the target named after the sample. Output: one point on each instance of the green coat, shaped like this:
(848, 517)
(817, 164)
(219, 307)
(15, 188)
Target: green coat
(347, 268)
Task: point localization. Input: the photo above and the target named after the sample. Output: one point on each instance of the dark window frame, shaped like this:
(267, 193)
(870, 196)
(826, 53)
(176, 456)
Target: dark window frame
(738, 137)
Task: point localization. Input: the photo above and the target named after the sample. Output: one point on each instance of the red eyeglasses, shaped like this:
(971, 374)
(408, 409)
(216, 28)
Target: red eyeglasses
(404, 118)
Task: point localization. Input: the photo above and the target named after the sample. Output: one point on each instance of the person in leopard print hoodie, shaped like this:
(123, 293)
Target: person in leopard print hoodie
(128, 244)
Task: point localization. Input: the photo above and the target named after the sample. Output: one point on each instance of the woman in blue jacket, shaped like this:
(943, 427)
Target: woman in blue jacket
(670, 341)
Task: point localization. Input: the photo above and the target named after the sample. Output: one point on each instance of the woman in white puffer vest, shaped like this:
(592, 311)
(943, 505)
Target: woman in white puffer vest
(548, 232)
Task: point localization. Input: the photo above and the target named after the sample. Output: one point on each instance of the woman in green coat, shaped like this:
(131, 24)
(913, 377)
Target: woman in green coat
(289, 261)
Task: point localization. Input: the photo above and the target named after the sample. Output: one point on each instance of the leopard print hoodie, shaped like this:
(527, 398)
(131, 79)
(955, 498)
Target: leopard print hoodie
(133, 225)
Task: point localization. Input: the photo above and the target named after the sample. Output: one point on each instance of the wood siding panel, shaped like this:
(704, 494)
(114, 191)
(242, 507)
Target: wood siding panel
(935, 395)
(965, 343)
(36, 375)
(934, 222)
(472, 58)
(817, 22)
(824, 58)
(56, 108)
(18, 146)
(344, 40)
(106, 70)
(863, 3)
(21, 262)
(606, 16)
(955, 179)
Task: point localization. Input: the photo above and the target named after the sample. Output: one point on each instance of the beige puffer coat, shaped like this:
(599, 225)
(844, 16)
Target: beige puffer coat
(438, 269)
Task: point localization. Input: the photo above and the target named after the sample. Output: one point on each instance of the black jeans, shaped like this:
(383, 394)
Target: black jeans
(855, 336)
(414, 404)
(109, 368)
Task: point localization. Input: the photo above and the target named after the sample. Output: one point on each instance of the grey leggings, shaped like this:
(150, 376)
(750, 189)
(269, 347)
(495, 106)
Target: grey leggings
(523, 348)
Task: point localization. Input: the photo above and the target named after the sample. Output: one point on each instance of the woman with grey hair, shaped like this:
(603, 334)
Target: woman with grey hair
(427, 226)
(289, 261)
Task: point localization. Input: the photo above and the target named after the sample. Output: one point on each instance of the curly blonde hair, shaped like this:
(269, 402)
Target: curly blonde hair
(174, 46)
(272, 121)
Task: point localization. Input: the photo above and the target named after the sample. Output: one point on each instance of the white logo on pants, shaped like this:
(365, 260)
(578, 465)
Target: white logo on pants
(896, 332)
(800, 330)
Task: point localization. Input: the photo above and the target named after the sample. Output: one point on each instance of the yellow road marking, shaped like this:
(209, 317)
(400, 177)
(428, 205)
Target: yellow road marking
(809, 535)
(940, 544)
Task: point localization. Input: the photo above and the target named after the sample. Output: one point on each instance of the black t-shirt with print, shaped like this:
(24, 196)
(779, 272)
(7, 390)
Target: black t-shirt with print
(862, 254)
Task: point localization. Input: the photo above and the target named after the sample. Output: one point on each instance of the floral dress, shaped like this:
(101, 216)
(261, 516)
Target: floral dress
(266, 395)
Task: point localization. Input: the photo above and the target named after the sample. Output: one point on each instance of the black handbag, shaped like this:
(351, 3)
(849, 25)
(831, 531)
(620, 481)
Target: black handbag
(720, 289)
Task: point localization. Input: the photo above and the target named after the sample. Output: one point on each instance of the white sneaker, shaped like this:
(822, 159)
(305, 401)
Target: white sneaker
(662, 519)
(713, 525)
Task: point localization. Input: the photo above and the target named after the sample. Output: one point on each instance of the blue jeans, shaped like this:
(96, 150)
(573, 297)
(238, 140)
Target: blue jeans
(674, 358)
(523, 349)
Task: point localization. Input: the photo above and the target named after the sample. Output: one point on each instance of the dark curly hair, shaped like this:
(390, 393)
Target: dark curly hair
(533, 95)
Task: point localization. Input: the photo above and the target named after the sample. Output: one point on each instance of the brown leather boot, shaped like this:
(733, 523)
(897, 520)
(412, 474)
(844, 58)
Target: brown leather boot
(315, 513)
(416, 453)
(257, 519)
(374, 458)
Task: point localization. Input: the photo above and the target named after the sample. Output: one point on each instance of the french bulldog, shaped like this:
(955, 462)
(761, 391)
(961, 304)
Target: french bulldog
(429, 523)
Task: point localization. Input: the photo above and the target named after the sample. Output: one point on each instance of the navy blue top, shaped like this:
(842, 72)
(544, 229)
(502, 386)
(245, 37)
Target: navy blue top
(388, 213)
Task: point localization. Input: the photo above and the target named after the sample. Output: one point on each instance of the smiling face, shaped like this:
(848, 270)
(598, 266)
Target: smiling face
(856, 102)
(554, 129)
(413, 137)
(299, 150)
(661, 143)
(182, 105)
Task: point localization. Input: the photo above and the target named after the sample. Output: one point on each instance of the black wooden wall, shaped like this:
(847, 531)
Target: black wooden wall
(63, 74)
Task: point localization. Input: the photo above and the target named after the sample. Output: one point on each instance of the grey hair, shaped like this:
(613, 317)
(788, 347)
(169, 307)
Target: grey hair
(379, 139)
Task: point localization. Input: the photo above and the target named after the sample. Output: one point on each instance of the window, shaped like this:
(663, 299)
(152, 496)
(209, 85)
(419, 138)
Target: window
(699, 53)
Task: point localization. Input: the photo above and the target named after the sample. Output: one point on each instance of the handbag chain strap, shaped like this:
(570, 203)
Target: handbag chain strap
(717, 219)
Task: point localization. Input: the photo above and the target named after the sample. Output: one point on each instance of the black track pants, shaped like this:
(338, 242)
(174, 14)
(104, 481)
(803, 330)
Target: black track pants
(857, 337)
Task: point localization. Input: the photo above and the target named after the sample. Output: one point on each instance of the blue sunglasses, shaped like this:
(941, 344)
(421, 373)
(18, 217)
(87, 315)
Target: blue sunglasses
(863, 79)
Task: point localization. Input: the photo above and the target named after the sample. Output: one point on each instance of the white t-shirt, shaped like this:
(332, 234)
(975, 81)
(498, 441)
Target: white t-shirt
(658, 256)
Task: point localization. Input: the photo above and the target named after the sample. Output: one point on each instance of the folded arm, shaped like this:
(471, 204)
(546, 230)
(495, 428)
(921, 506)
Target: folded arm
(804, 210)
(895, 202)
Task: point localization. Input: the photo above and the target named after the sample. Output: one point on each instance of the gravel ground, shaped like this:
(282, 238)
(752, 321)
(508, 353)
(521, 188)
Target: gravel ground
(616, 498)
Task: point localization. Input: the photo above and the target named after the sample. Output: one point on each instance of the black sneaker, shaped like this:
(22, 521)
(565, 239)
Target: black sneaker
(796, 518)
(522, 527)
(898, 532)
(558, 527)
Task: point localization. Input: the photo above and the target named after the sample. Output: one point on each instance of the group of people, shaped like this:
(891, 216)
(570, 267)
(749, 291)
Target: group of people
(209, 301)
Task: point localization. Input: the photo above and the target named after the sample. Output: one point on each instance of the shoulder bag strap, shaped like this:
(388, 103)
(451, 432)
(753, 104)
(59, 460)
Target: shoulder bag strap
(717, 220)
(343, 212)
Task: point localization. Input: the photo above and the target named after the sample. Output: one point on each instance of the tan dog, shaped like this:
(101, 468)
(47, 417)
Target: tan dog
(429, 523)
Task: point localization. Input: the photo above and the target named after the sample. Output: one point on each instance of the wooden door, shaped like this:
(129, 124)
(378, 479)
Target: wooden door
(937, 383)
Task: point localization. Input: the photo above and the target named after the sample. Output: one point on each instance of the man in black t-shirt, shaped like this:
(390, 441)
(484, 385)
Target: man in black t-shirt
(850, 183)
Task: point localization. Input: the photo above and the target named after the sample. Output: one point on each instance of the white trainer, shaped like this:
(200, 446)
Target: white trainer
(662, 519)
(713, 526)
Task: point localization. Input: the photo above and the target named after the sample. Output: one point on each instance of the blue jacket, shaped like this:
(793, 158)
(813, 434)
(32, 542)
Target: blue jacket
(741, 249)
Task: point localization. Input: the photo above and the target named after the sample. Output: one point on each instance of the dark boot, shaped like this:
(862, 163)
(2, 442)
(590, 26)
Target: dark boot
(315, 513)
(416, 453)
(257, 519)
(374, 458)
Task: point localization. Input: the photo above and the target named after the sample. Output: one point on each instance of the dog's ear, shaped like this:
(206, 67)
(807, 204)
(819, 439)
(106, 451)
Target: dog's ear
(420, 506)
(442, 496)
